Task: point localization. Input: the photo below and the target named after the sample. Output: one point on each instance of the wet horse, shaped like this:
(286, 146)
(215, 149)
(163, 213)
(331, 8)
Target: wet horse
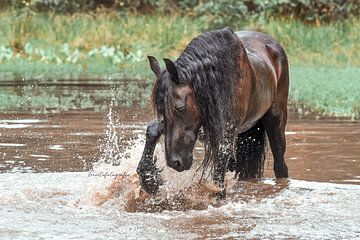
(232, 85)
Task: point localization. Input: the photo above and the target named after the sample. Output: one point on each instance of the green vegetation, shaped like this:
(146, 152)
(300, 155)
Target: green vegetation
(39, 44)
(87, 45)
(334, 91)
(223, 12)
(337, 44)
(91, 46)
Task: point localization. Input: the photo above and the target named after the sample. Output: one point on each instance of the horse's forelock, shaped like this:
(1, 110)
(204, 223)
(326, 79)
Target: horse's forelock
(162, 96)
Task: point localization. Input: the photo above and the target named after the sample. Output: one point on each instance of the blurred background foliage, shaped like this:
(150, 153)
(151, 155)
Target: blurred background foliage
(45, 40)
(220, 12)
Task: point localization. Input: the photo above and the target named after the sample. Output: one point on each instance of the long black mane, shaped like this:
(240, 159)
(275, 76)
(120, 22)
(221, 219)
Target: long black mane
(210, 64)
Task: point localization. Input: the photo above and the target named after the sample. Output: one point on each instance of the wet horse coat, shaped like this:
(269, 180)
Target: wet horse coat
(235, 87)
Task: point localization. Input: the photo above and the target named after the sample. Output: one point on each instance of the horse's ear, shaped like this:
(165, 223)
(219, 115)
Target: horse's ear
(170, 67)
(154, 65)
(228, 29)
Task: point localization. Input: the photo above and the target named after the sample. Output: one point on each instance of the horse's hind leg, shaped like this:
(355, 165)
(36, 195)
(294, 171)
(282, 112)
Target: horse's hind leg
(274, 122)
(250, 153)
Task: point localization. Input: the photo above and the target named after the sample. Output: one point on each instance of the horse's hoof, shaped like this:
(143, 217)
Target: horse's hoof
(221, 195)
(283, 173)
(150, 179)
(151, 187)
(231, 165)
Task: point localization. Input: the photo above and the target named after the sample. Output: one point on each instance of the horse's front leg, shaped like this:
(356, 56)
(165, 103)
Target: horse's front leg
(220, 167)
(149, 174)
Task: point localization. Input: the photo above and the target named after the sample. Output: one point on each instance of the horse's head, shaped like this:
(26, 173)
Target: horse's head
(175, 103)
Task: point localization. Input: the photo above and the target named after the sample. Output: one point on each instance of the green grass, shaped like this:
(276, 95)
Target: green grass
(334, 91)
(336, 44)
(325, 59)
(88, 44)
(47, 71)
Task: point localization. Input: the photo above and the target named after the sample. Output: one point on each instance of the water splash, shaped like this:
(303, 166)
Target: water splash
(110, 150)
(179, 191)
(117, 166)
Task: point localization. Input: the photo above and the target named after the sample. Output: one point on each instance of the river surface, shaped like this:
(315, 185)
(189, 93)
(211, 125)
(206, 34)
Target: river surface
(71, 175)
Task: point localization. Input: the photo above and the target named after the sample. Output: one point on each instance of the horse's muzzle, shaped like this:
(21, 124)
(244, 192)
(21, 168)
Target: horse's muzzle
(180, 164)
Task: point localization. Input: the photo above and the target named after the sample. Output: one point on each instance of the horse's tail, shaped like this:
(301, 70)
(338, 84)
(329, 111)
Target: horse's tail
(249, 153)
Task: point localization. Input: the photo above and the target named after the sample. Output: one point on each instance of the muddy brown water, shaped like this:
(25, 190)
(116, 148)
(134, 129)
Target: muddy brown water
(49, 187)
(319, 150)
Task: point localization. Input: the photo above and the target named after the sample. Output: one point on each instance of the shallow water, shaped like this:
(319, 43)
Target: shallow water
(320, 150)
(52, 183)
(63, 205)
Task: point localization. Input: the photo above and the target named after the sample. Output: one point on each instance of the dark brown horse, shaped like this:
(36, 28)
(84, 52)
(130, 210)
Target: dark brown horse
(235, 87)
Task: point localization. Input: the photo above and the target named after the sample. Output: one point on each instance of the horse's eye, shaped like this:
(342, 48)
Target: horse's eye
(181, 109)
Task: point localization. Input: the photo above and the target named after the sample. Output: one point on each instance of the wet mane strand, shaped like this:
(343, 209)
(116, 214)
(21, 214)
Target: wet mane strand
(210, 64)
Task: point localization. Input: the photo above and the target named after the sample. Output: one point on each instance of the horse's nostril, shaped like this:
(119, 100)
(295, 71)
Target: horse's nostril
(177, 164)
